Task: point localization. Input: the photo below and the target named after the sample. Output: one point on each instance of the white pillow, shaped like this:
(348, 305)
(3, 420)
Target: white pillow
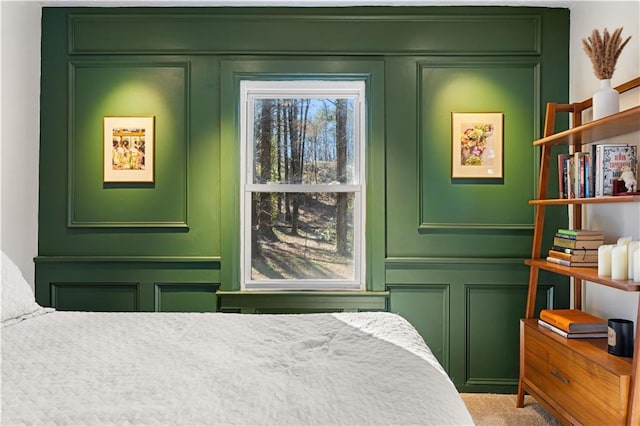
(17, 296)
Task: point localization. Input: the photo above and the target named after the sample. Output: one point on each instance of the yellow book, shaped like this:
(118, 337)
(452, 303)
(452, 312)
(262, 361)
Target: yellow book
(582, 256)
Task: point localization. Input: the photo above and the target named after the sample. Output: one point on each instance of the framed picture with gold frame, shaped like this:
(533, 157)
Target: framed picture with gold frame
(129, 148)
(477, 145)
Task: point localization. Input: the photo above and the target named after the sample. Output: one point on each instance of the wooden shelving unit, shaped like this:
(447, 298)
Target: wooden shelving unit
(608, 127)
(578, 381)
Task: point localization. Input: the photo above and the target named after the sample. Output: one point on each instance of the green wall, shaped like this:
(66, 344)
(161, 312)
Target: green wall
(445, 253)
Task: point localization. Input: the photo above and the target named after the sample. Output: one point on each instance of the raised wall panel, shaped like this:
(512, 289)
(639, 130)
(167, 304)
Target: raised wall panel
(126, 284)
(427, 308)
(387, 30)
(492, 331)
(117, 88)
(173, 297)
(430, 215)
(468, 85)
(98, 297)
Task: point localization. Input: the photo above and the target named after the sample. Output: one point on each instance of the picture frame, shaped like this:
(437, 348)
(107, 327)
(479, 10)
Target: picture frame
(129, 148)
(477, 145)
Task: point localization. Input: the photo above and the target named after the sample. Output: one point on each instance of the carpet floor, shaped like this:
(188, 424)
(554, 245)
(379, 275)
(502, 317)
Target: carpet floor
(497, 410)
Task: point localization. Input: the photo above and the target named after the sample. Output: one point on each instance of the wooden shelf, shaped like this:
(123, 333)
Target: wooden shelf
(591, 200)
(608, 127)
(587, 274)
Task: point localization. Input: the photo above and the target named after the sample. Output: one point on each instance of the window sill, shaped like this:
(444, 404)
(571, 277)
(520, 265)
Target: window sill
(307, 301)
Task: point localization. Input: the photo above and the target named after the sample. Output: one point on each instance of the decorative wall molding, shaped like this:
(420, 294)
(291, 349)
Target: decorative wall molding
(127, 259)
(429, 262)
(440, 295)
(165, 289)
(427, 224)
(484, 32)
(120, 283)
(478, 312)
(127, 294)
(73, 196)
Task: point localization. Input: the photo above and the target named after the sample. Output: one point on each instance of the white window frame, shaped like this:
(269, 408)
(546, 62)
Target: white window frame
(320, 89)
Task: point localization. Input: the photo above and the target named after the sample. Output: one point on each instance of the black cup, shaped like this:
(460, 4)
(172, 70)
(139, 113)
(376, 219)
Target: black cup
(620, 337)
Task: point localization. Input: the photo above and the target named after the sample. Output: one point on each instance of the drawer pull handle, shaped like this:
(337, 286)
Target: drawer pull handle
(557, 375)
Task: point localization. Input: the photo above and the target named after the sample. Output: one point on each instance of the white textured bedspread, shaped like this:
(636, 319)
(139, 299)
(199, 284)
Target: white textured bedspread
(81, 368)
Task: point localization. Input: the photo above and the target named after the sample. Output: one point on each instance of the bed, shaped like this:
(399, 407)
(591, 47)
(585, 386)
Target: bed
(92, 368)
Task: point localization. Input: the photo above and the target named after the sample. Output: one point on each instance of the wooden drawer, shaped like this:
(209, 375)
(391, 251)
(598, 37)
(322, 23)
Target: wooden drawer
(578, 376)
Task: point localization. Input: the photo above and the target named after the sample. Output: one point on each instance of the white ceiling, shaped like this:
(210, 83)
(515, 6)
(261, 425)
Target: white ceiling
(305, 3)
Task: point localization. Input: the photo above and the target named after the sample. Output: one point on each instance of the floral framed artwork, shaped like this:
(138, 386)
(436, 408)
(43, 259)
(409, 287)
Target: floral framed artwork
(477, 142)
(129, 145)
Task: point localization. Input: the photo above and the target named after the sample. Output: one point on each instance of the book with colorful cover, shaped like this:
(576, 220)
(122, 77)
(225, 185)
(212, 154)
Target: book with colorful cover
(594, 335)
(564, 262)
(580, 232)
(563, 177)
(574, 320)
(581, 237)
(589, 188)
(579, 174)
(581, 256)
(571, 177)
(609, 161)
(577, 244)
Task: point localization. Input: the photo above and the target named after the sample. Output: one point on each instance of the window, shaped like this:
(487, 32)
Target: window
(302, 185)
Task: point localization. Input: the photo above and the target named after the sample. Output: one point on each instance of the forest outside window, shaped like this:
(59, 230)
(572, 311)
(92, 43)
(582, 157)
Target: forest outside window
(302, 185)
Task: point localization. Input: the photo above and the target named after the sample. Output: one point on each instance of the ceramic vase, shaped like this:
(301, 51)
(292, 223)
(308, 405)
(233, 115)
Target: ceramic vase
(606, 101)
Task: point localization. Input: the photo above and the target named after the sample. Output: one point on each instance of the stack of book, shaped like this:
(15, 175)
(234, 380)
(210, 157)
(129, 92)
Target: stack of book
(576, 247)
(573, 323)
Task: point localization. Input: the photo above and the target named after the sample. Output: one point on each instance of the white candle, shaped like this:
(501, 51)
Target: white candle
(619, 262)
(604, 260)
(636, 265)
(631, 249)
(624, 240)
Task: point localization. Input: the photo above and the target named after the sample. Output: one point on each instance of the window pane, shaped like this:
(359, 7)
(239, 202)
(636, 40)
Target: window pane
(302, 236)
(304, 140)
